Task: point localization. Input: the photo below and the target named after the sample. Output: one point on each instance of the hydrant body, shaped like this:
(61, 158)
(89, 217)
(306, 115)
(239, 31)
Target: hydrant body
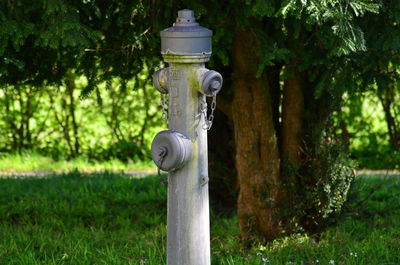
(186, 47)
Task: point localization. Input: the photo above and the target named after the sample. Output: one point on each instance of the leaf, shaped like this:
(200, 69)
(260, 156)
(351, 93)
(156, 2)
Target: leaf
(263, 8)
(18, 63)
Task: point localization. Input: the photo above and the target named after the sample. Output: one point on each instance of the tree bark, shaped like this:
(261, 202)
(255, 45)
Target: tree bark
(27, 117)
(292, 118)
(8, 98)
(62, 120)
(257, 153)
(386, 97)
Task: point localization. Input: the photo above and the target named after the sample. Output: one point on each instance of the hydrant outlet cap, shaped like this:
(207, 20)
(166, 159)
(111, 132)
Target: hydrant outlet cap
(170, 150)
(186, 37)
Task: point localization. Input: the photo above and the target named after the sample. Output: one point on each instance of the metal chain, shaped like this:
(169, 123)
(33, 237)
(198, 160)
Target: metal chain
(164, 109)
(162, 155)
(209, 121)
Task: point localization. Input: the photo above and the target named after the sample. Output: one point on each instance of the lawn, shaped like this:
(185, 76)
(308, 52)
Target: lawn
(33, 162)
(79, 218)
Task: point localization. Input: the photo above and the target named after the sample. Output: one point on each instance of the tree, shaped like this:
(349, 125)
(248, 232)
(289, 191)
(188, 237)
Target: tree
(65, 115)
(48, 44)
(40, 41)
(378, 68)
(284, 63)
(20, 105)
(291, 173)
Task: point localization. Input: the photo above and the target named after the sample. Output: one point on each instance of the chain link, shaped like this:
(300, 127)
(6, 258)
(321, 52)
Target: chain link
(162, 155)
(209, 121)
(164, 109)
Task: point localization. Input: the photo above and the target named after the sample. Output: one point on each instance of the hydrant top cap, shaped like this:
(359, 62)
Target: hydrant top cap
(186, 37)
(185, 18)
(186, 24)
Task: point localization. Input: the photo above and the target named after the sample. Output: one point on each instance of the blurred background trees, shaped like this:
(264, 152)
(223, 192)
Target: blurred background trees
(75, 79)
(308, 85)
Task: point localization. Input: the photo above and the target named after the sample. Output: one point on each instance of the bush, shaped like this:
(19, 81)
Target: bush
(317, 189)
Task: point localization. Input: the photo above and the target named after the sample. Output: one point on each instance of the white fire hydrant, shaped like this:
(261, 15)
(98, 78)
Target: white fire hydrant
(182, 150)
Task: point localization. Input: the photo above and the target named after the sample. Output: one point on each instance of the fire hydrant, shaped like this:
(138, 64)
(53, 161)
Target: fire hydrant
(182, 150)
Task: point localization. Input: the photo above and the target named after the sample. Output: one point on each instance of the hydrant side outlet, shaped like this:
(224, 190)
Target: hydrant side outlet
(160, 80)
(211, 82)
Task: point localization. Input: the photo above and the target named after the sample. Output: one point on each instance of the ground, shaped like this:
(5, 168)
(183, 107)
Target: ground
(106, 218)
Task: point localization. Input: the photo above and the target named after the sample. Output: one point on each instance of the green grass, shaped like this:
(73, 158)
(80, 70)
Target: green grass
(32, 162)
(112, 219)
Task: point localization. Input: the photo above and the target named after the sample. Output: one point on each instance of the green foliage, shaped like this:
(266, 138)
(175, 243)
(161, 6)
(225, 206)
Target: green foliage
(377, 72)
(262, 8)
(49, 44)
(110, 218)
(377, 156)
(118, 120)
(41, 41)
(327, 10)
(333, 172)
(361, 126)
(318, 189)
(270, 55)
(336, 14)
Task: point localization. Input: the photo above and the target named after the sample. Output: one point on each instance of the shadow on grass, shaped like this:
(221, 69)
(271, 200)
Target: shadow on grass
(110, 218)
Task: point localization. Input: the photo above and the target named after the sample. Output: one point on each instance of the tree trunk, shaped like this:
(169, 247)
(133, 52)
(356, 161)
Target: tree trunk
(27, 117)
(284, 160)
(386, 97)
(62, 120)
(70, 86)
(221, 162)
(8, 97)
(20, 130)
(292, 119)
(257, 153)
